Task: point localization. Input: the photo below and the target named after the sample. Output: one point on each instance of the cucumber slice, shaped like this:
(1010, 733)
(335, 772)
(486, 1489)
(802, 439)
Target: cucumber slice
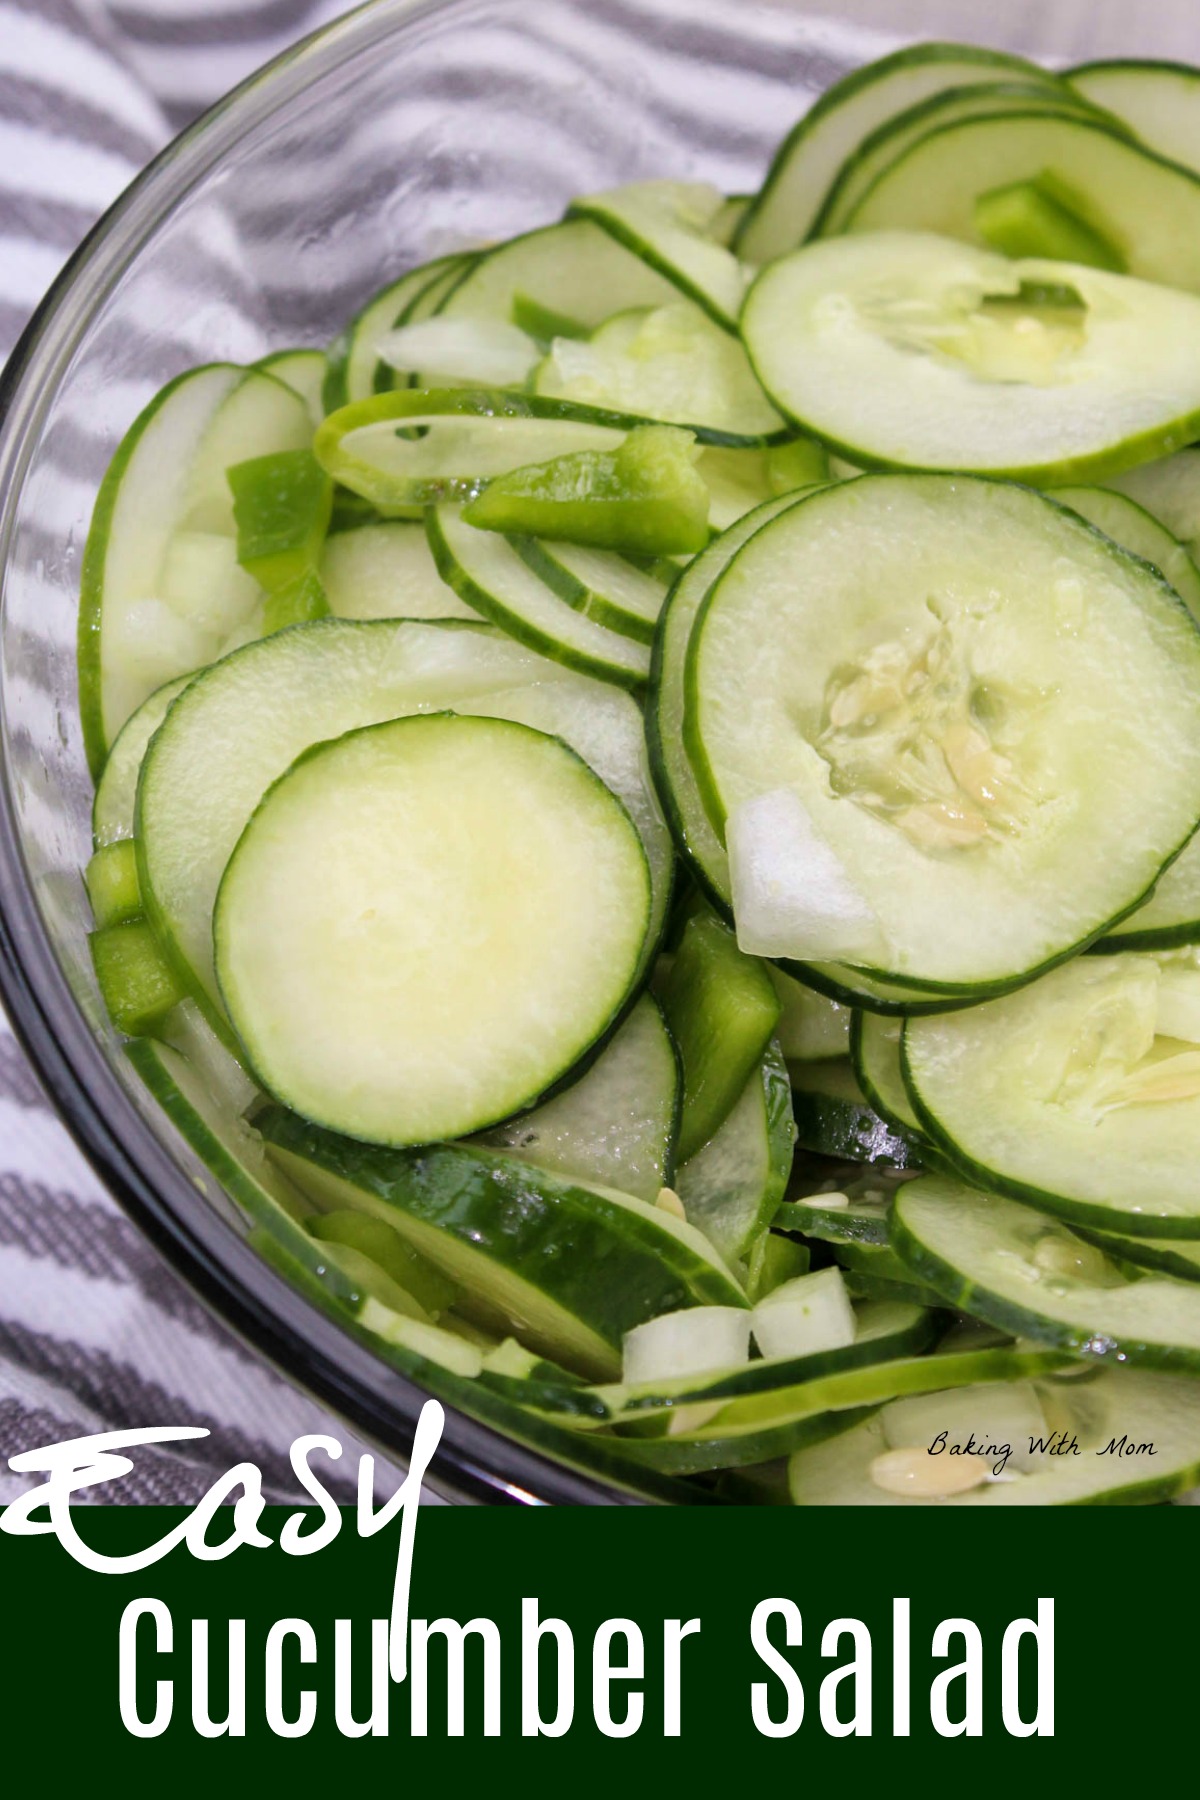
(1159, 1409)
(1148, 207)
(387, 571)
(617, 1124)
(570, 1268)
(353, 370)
(834, 1118)
(898, 348)
(670, 363)
(1137, 531)
(1165, 1256)
(965, 900)
(1044, 218)
(167, 476)
(668, 224)
(732, 1186)
(605, 585)
(116, 790)
(246, 720)
(1160, 101)
(839, 1219)
(304, 372)
(1019, 1270)
(875, 1055)
(890, 140)
(720, 1433)
(490, 573)
(1170, 489)
(451, 969)
(723, 225)
(806, 164)
(811, 1027)
(1071, 1095)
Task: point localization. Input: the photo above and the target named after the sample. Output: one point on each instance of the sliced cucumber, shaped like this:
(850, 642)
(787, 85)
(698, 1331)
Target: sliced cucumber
(1136, 530)
(902, 349)
(353, 369)
(1025, 1273)
(1159, 100)
(304, 371)
(570, 1268)
(960, 888)
(1164, 1256)
(811, 1027)
(116, 790)
(875, 1054)
(876, 152)
(1071, 1095)
(247, 719)
(605, 585)
(732, 1186)
(1148, 207)
(1170, 489)
(617, 1124)
(489, 573)
(668, 224)
(387, 571)
(807, 163)
(168, 478)
(834, 1118)
(839, 1219)
(447, 971)
(671, 363)
(574, 269)
(1161, 1410)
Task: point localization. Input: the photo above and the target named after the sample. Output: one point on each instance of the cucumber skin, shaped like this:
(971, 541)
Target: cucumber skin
(1076, 1213)
(645, 252)
(831, 1126)
(1146, 1258)
(858, 1063)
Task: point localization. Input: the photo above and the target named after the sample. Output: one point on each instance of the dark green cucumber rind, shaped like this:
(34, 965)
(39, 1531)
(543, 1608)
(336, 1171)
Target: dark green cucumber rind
(1162, 937)
(831, 1126)
(830, 1224)
(613, 1023)
(858, 1062)
(964, 992)
(860, 78)
(530, 635)
(1065, 100)
(577, 595)
(91, 578)
(405, 289)
(1079, 1213)
(662, 265)
(1142, 1256)
(835, 982)
(778, 1422)
(611, 1265)
(960, 1291)
(444, 271)
(878, 1262)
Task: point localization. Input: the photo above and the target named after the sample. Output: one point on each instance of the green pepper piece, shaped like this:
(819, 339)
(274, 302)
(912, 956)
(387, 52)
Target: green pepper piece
(302, 600)
(111, 879)
(798, 464)
(137, 985)
(281, 506)
(542, 323)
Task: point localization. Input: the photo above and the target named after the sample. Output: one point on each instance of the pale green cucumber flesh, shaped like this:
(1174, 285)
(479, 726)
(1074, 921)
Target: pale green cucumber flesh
(733, 1184)
(387, 571)
(1160, 101)
(116, 791)
(665, 224)
(875, 1054)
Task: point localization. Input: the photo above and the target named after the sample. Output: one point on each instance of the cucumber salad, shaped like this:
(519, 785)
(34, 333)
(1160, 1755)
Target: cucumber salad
(645, 805)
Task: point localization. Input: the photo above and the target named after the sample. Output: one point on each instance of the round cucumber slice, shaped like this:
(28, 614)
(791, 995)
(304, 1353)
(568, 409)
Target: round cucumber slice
(1048, 658)
(1080, 1094)
(1023, 1272)
(783, 213)
(259, 709)
(444, 973)
(387, 571)
(1137, 531)
(834, 1118)
(1161, 1410)
(116, 791)
(569, 1267)
(875, 1055)
(352, 363)
(304, 372)
(668, 225)
(901, 349)
(602, 583)
(1148, 207)
(1165, 1256)
(1170, 489)
(1159, 100)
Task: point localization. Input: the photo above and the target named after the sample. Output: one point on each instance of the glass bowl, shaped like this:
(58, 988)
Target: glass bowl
(401, 131)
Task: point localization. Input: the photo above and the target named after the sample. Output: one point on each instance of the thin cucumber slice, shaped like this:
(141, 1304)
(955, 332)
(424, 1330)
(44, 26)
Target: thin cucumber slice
(1071, 1095)
(785, 210)
(861, 1219)
(246, 721)
(617, 1124)
(668, 224)
(616, 591)
(569, 1267)
(450, 970)
(1139, 532)
(896, 135)
(723, 225)
(304, 372)
(750, 1428)
(489, 573)
(670, 363)
(936, 880)
(352, 362)
(116, 790)
(387, 571)
(1160, 101)
(1160, 1410)
(811, 1027)
(875, 1055)
(1164, 1256)
(1170, 489)
(732, 1186)
(834, 1118)
(1016, 1269)
(167, 477)
(901, 349)
(1148, 207)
